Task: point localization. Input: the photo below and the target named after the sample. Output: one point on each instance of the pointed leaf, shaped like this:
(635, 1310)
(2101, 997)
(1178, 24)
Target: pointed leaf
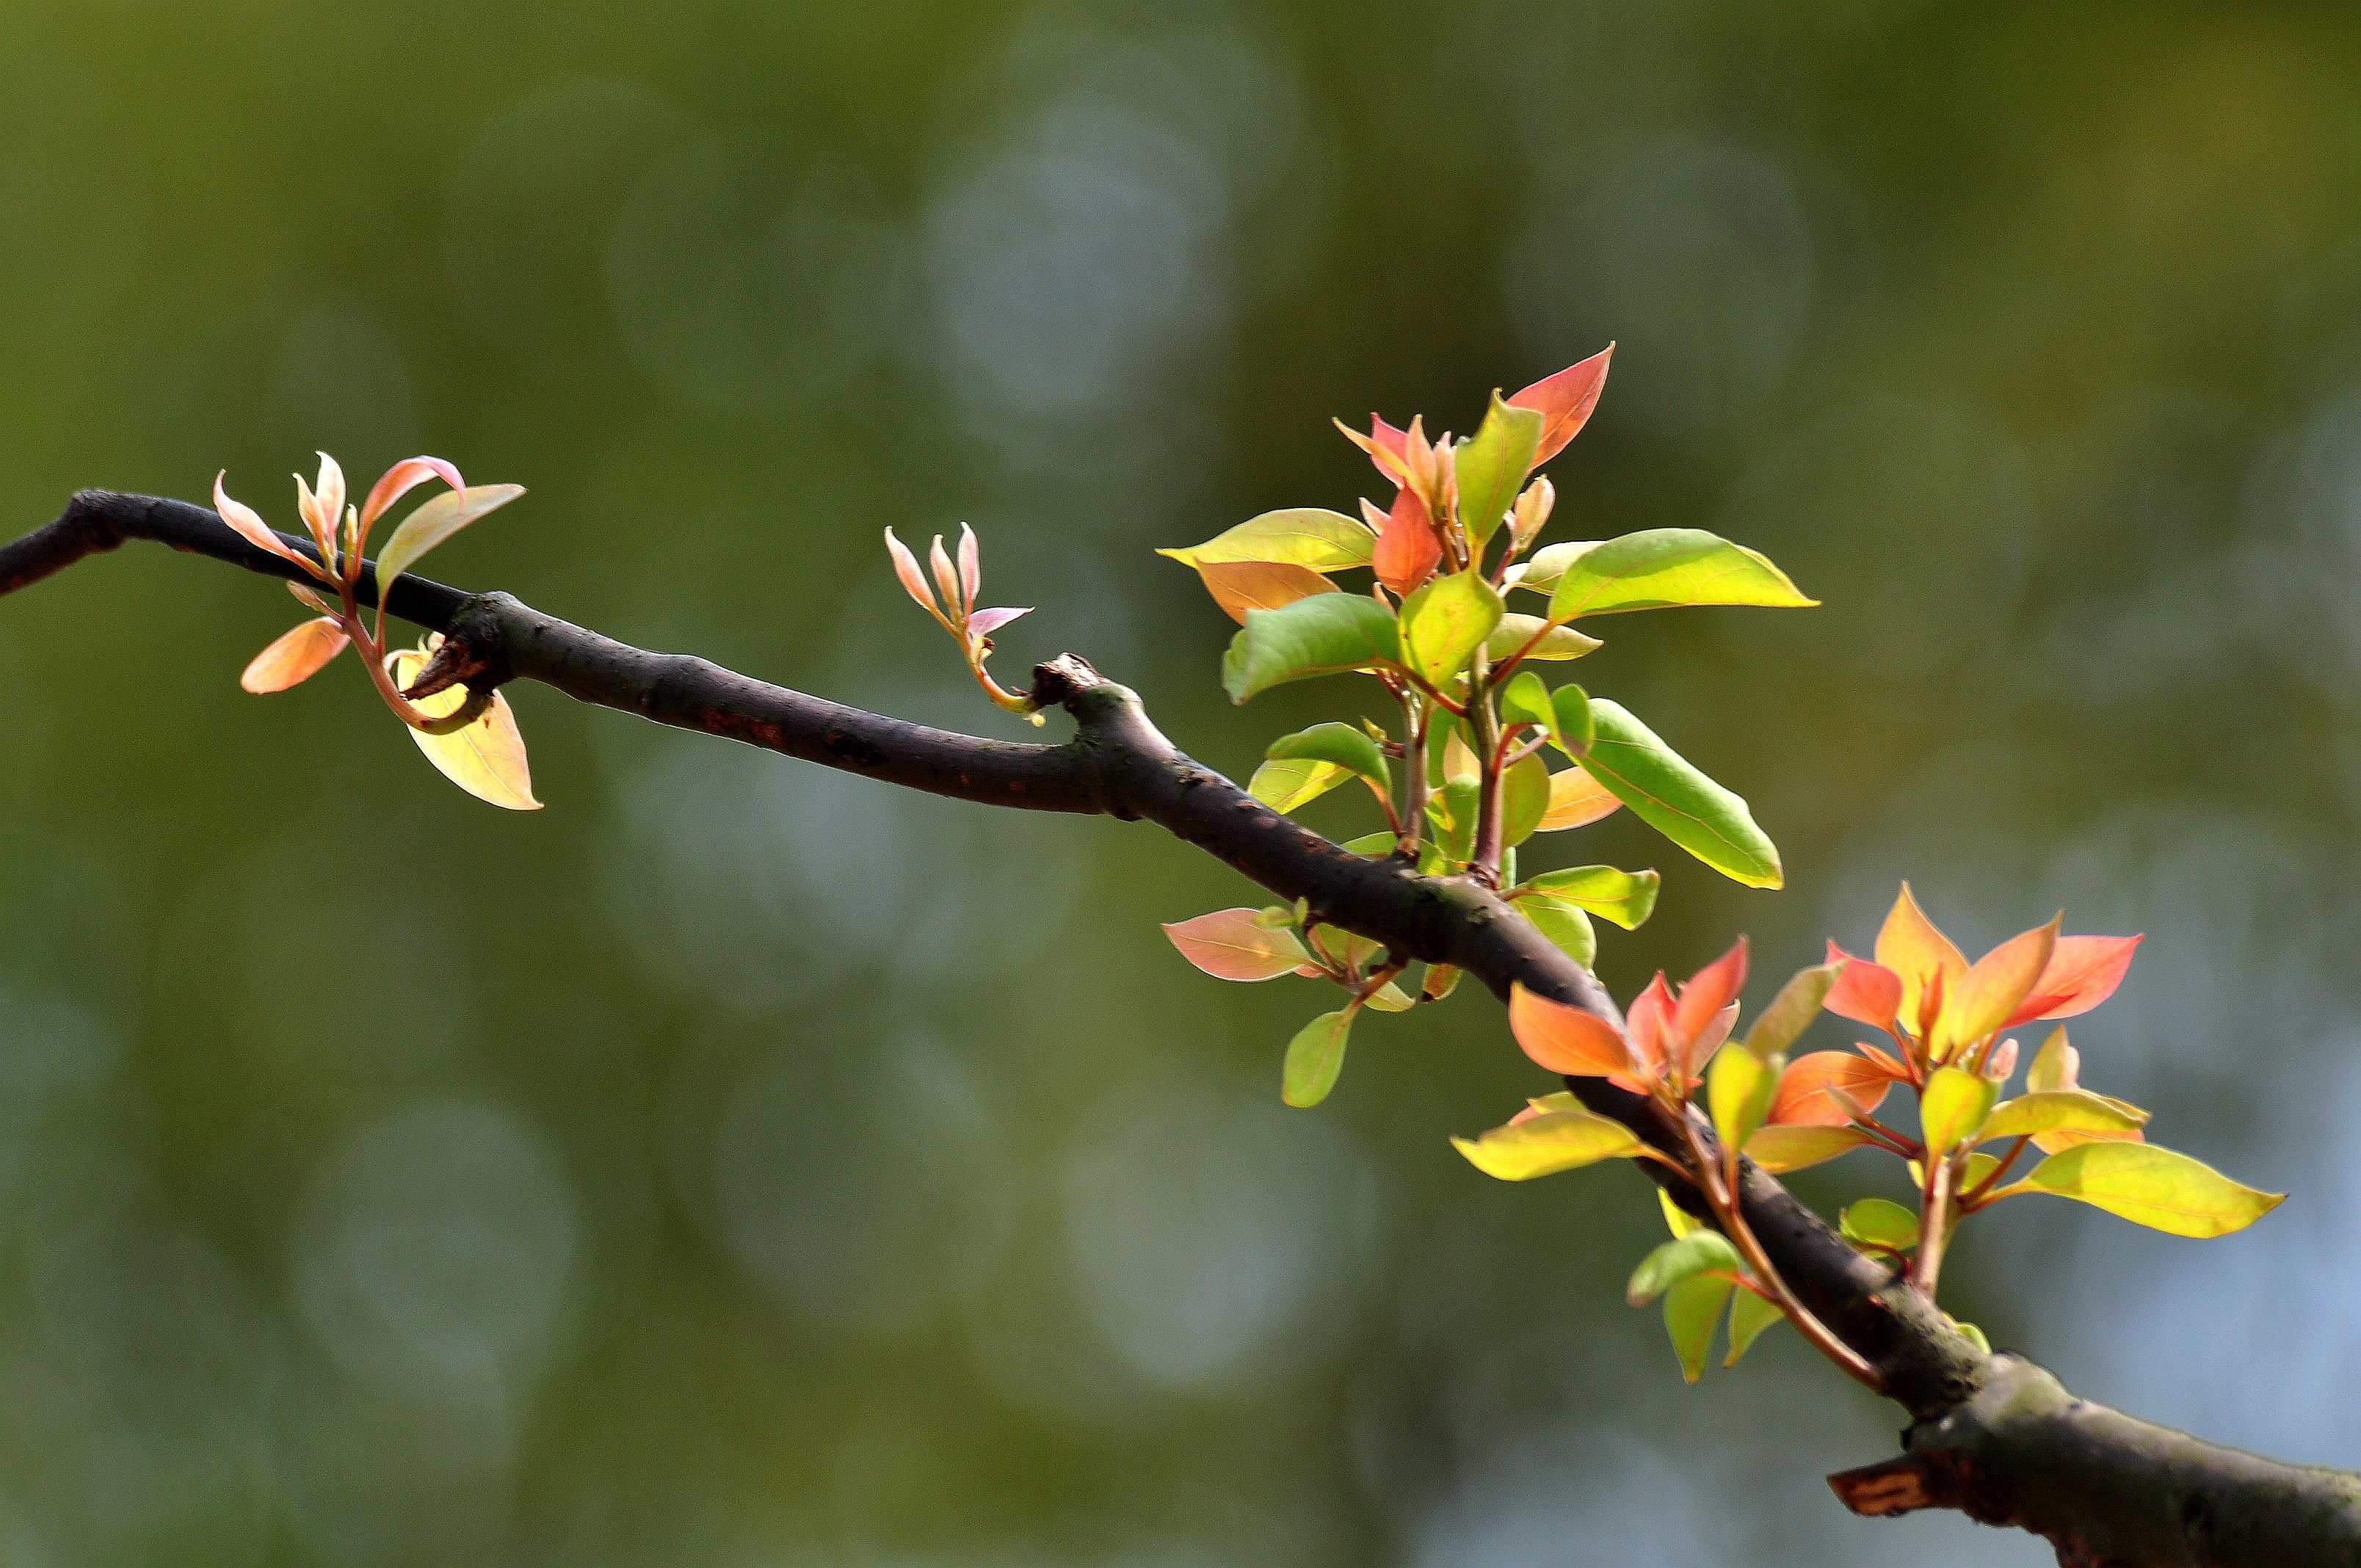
(1576, 800)
(1953, 1106)
(1294, 782)
(1930, 963)
(1241, 586)
(1526, 700)
(1664, 567)
(294, 657)
(1749, 1315)
(1793, 1009)
(1865, 993)
(1738, 1091)
(1684, 1257)
(1315, 1058)
(1692, 1308)
(2056, 1065)
(1548, 565)
(1232, 944)
(1780, 1149)
(1566, 1040)
(1300, 536)
(2060, 1111)
(400, 480)
(2152, 1187)
(1524, 800)
(1578, 726)
(1803, 1098)
(1677, 1220)
(1452, 811)
(1564, 402)
(1444, 622)
(436, 521)
(1407, 548)
(1547, 1143)
(985, 622)
(1988, 994)
(1672, 796)
(1319, 636)
(486, 757)
(1515, 635)
(2083, 971)
(248, 525)
(1627, 898)
(1492, 466)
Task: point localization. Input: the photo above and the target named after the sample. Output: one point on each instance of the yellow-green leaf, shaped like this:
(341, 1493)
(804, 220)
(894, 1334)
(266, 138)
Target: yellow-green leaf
(1318, 636)
(1749, 1315)
(2151, 1186)
(1515, 632)
(1341, 744)
(1780, 1149)
(1677, 1220)
(1524, 800)
(1691, 1310)
(436, 521)
(1545, 1144)
(1738, 1091)
(1563, 923)
(486, 758)
(1627, 898)
(1879, 1221)
(1953, 1106)
(1299, 536)
(1492, 466)
(1444, 622)
(1684, 1257)
(1664, 567)
(1315, 1058)
(2060, 1111)
(1793, 1009)
(1672, 796)
(1294, 781)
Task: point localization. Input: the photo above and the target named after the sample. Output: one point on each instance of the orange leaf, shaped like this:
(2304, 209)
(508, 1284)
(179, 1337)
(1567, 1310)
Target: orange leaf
(1803, 1098)
(1241, 586)
(1576, 800)
(249, 526)
(2082, 972)
(1866, 993)
(295, 657)
(1407, 548)
(1565, 401)
(1229, 945)
(1566, 1040)
(1648, 1023)
(399, 480)
(1709, 991)
(1987, 995)
(1927, 961)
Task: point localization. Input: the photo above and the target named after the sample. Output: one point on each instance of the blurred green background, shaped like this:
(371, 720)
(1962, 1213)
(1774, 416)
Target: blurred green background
(739, 1165)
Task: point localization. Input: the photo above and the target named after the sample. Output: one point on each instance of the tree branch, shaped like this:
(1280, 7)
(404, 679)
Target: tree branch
(1993, 1436)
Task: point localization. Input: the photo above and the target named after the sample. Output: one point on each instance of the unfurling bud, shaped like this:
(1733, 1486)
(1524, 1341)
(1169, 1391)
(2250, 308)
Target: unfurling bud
(2003, 1062)
(1532, 511)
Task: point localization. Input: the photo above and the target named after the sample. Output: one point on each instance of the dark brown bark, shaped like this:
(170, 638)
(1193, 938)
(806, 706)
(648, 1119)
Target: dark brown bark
(1992, 1435)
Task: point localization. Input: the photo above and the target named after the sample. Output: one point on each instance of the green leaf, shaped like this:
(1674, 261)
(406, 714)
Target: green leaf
(1318, 636)
(1749, 1315)
(1691, 1310)
(2060, 1111)
(1972, 1334)
(1441, 981)
(1444, 622)
(1793, 1009)
(1292, 782)
(1544, 1145)
(1669, 795)
(436, 521)
(1739, 1087)
(1681, 1258)
(1565, 924)
(1627, 898)
(1315, 1058)
(1526, 700)
(1300, 536)
(1492, 466)
(1578, 727)
(1373, 844)
(1544, 568)
(1953, 1108)
(1341, 744)
(1665, 567)
(2151, 1186)
(1782, 1149)
(1451, 811)
(1388, 998)
(1516, 631)
(1524, 800)
(1879, 1222)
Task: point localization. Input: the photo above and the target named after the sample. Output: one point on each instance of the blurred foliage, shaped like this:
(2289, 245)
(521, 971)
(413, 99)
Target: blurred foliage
(737, 1164)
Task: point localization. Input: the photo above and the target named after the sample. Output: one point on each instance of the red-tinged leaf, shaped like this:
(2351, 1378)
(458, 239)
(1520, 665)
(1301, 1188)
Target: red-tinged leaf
(1229, 944)
(1241, 586)
(1565, 1040)
(1987, 995)
(986, 621)
(1885, 1061)
(401, 479)
(1576, 800)
(1709, 991)
(939, 561)
(249, 526)
(2082, 972)
(1565, 401)
(1408, 547)
(1865, 993)
(1648, 1023)
(295, 657)
(970, 566)
(1928, 962)
(914, 581)
(1803, 1098)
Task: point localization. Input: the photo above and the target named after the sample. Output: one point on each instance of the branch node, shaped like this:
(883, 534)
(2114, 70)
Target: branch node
(1062, 679)
(470, 653)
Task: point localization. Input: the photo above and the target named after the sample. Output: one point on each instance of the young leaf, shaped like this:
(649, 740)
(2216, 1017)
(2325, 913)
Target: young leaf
(1444, 622)
(1877, 1222)
(1241, 586)
(1548, 565)
(248, 525)
(1341, 744)
(1793, 1009)
(1749, 1315)
(1577, 728)
(1685, 1257)
(1679, 801)
(1865, 993)
(1988, 994)
(1677, 1220)
(1232, 944)
(1547, 1143)
(1301, 536)
(485, 757)
(1524, 800)
(1928, 962)
(1516, 634)
(1441, 981)
(2060, 1111)
(1315, 1058)
(294, 657)
(1576, 800)
(1953, 1108)
(1565, 924)
(1665, 567)
(1738, 1091)
(1408, 547)
(1451, 812)
(1627, 898)
(1318, 636)
(1564, 402)
(1691, 1310)
(1780, 1149)
(2056, 1065)
(436, 521)
(1492, 466)
(1295, 782)
(1526, 700)
(1566, 1040)
(1803, 1098)
(2082, 972)
(2151, 1186)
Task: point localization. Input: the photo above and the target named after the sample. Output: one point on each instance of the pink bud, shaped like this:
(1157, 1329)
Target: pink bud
(2003, 1063)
